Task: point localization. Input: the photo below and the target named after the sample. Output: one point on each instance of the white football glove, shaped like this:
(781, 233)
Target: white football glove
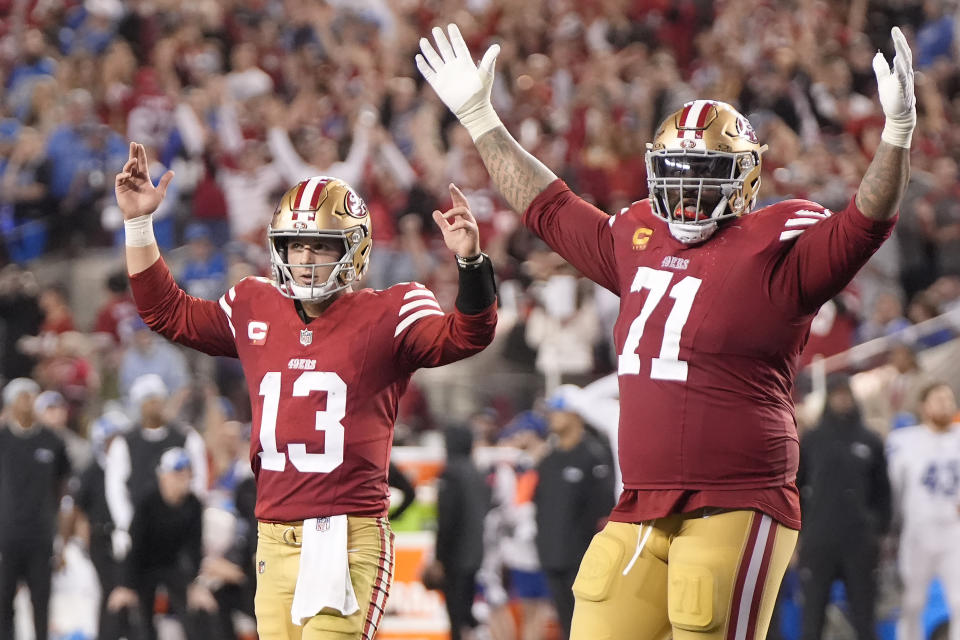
(463, 87)
(896, 92)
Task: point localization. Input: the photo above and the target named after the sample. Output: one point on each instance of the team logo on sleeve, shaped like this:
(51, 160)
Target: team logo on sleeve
(306, 337)
(641, 237)
(257, 331)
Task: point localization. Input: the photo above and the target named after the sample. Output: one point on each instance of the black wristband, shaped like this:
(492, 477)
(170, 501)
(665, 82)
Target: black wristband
(470, 263)
(478, 287)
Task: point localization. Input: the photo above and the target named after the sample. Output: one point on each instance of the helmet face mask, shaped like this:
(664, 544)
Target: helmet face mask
(320, 208)
(703, 167)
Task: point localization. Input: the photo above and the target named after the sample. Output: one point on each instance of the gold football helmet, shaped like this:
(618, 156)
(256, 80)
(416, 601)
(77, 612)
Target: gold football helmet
(703, 166)
(320, 207)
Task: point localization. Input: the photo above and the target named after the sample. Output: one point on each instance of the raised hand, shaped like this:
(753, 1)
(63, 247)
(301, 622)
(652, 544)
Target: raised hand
(895, 88)
(458, 226)
(135, 192)
(462, 85)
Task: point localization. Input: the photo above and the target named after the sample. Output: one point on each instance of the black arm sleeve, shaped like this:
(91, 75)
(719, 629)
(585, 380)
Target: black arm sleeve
(478, 288)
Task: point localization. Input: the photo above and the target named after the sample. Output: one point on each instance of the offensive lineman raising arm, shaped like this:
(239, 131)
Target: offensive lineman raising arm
(715, 309)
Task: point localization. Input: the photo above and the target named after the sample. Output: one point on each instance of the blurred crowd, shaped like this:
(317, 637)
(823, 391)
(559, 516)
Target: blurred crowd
(242, 98)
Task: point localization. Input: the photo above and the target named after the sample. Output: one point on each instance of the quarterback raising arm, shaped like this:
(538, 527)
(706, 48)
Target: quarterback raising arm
(325, 362)
(138, 199)
(465, 88)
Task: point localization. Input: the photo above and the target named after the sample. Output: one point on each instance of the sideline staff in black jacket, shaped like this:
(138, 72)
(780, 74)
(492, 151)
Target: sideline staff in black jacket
(573, 497)
(33, 473)
(167, 549)
(845, 495)
(463, 500)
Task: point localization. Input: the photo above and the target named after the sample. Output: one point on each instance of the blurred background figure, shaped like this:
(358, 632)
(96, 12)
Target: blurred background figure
(148, 353)
(129, 474)
(33, 472)
(894, 400)
(511, 567)
(117, 310)
(564, 329)
(204, 273)
(463, 499)
(20, 316)
(845, 496)
(925, 476)
(52, 411)
(573, 497)
(90, 499)
(167, 549)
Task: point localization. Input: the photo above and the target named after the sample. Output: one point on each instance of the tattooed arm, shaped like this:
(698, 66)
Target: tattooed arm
(884, 182)
(465, 88)
(518, 176)
(886, 178)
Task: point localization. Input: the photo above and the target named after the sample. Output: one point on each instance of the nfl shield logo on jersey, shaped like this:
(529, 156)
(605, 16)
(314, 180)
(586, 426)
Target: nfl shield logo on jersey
(306, 337)
(323, 524)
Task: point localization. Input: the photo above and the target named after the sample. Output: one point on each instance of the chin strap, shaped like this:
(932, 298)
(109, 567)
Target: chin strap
(692, 233)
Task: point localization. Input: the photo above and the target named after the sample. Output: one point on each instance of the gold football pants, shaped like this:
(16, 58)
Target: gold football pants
(706, 575)
(370, 546)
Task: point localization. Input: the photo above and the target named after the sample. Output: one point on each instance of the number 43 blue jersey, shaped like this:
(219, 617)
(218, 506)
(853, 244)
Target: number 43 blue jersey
(925, 476)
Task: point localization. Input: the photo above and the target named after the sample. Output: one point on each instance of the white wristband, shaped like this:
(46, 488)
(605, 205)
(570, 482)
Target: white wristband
(479, 119)
(898, 131)
(139, 231)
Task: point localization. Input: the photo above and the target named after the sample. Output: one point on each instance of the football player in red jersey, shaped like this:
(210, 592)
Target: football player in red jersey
(716, 305)
(326, 363)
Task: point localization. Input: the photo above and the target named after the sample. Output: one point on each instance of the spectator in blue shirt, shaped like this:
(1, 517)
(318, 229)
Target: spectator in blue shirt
(33, 63)
(82, 145)
(205, 272)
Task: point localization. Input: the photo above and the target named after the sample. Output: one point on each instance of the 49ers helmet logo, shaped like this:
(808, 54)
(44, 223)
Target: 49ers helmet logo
(300, 218)
(745, 129)
(354, 206)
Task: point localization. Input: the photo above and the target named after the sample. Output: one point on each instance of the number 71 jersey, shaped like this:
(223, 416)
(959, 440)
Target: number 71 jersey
(709, 335)
(324, 394)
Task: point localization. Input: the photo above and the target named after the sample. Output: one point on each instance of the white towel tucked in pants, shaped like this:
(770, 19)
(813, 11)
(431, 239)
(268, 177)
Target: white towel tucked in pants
(324, 577)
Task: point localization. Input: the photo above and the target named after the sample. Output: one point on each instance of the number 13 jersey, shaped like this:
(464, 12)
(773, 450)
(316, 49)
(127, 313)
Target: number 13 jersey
(324, 394)
(709, 338)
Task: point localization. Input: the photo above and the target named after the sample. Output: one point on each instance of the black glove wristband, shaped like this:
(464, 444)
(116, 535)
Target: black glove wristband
(471, 263)
(478, 287)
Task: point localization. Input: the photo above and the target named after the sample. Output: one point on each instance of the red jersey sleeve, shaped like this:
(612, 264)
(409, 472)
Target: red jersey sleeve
(826, 254)
(168, 310)
(425, 336)
(576, 230)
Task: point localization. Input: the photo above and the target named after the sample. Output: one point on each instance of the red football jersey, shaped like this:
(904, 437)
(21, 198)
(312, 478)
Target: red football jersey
(325, 393)
(709, 337)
